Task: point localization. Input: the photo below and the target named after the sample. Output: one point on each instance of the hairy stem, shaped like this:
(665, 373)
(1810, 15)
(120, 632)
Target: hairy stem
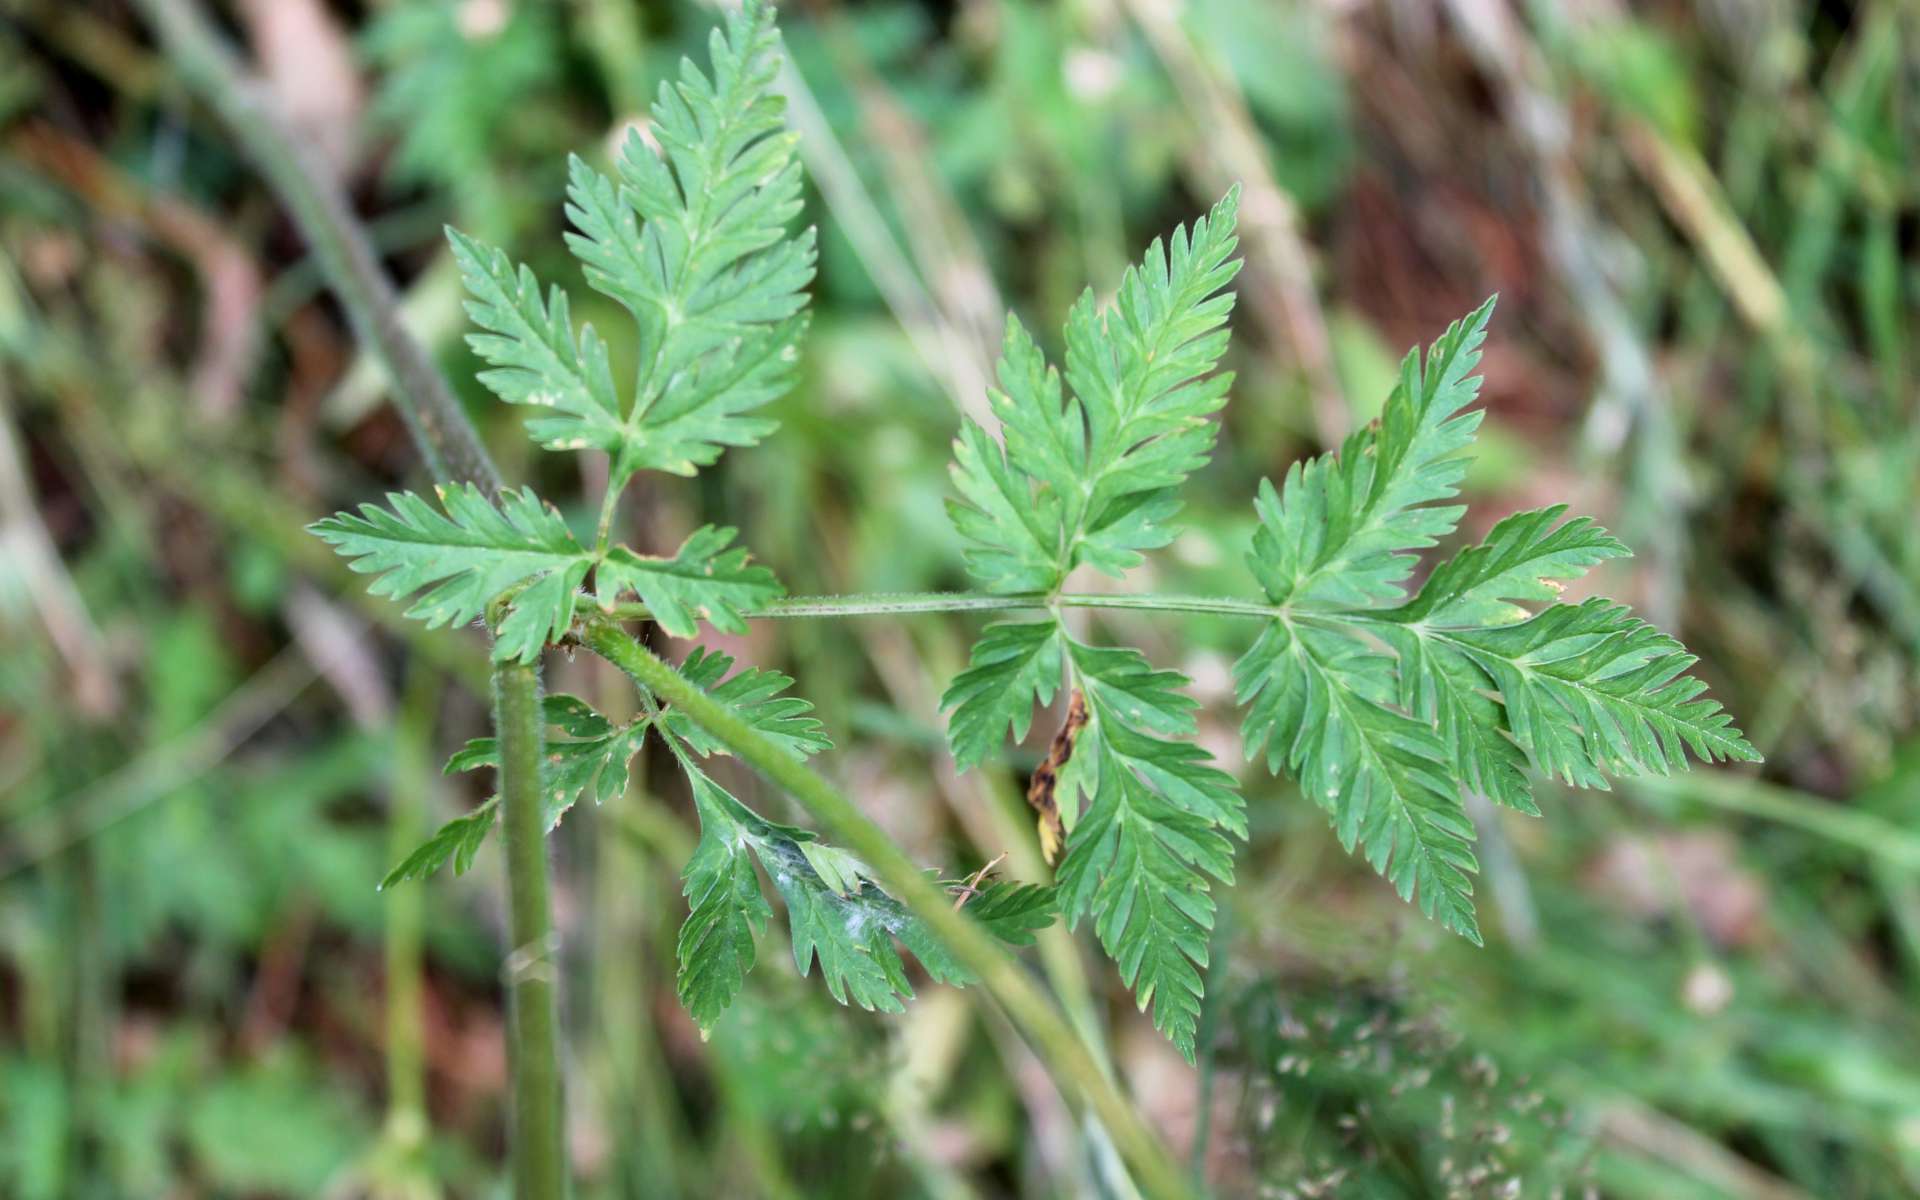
(870, 604)
(440, 428)
(1067, 1058)
(539, 1156)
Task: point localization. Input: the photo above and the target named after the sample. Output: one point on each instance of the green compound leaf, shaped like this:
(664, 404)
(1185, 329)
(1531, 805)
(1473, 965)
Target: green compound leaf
(725, 909)
(1046, 438)
(1131, 861)
(1014, 665)
(1157, 827)
(755, 696)
(1120, 681)
(837, 916)
(1088, 478)
(1590, 688)
(590, 755)
(469, 557)
(1388, 715)
(705, 580)
(1143, 373)
(1336, 534)
(1318, 704)
(1522, 561)
(1440, 685)
(535, 357)
(693, 240)
(1013, 534)
(1014, 912)
(458, 840)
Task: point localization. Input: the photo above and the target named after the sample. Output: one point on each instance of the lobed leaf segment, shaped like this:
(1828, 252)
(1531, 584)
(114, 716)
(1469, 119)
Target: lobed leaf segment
(1387, 705)
(1387, 708)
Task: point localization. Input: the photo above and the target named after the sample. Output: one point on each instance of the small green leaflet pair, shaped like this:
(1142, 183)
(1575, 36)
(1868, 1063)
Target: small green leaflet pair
(693, 241)
(836, 914)
(1386, 708)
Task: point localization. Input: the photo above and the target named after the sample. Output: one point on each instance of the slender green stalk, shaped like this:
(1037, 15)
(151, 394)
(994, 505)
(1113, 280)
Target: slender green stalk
(538, 1152)
(1065, 1055)
(894, 604)
(453, 451)
(603, 529)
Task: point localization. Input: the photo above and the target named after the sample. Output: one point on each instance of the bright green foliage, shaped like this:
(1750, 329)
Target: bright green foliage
(1521, 560)
(852, 933)
(1013, 665)
(469, 557)
(536, 358)
(693, 241)
(1143, 374)
(836, 915)
(725, 909)
(705, 580)
(1157, 826)
(1088, 477)
(1388, 709)
(1014, 912)
(1014, 534)
(589, 754)
(1590, 688)
(477, 553)
(456, 841)
(755, 696)
(1319, 701)
(1338, 534)
(1519, 563)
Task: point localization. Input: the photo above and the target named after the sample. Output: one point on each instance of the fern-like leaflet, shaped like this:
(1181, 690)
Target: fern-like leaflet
(692, 240)
(1387, 709)
(1088, 477)
(1388, 706)
(1471, 684)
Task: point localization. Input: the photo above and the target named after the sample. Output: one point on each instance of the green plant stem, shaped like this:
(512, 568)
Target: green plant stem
(539, 1155)
(603, 529)
(872, 604)
(1066, 1057)
(453, 452)
(440, 428)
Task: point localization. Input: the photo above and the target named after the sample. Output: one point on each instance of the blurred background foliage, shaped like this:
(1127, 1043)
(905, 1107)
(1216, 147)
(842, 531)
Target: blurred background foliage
(1703, 221)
